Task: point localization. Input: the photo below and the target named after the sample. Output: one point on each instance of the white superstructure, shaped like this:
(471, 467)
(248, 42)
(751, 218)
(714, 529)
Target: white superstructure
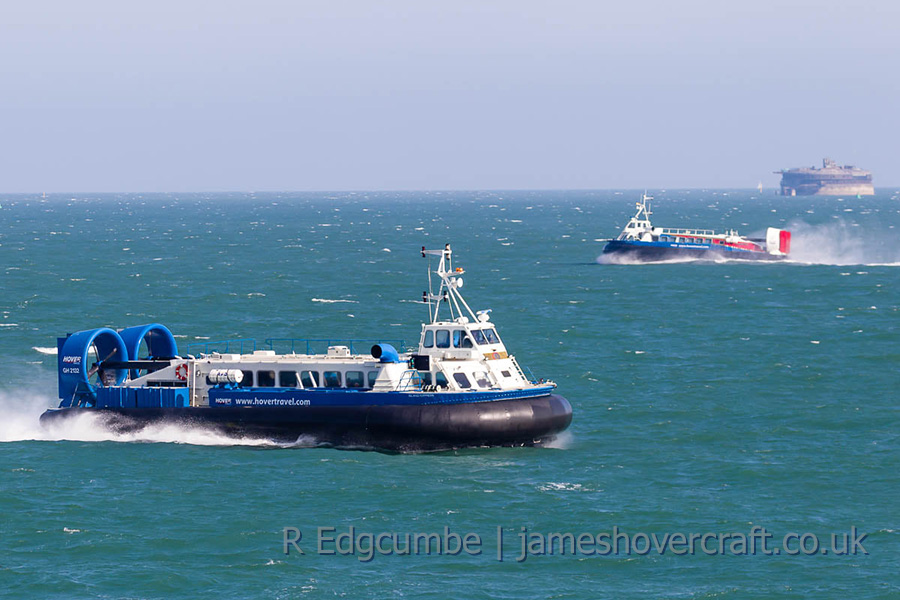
(458, 351)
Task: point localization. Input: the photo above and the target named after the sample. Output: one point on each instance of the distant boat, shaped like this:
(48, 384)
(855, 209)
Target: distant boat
(759, 187)
(641, 240)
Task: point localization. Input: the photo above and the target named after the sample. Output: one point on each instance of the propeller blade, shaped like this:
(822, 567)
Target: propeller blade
(96, 366)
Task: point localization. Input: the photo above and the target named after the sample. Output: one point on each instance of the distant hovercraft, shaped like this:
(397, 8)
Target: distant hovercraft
(642, 241)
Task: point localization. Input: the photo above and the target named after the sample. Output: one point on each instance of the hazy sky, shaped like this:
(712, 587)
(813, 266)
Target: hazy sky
(422, 94)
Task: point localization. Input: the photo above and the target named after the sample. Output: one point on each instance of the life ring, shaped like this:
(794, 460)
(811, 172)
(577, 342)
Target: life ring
(181, 372)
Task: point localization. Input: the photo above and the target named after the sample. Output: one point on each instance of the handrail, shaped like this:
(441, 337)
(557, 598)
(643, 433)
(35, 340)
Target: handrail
(410, 380)
(670, 231)
(228, 343)
(329, 342)
(294, 342)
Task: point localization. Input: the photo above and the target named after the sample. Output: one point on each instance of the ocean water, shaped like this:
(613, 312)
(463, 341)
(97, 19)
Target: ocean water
(708, 397)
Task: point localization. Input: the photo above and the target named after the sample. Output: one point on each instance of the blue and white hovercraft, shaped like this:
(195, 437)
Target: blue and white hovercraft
(643, 242)
(459, 388)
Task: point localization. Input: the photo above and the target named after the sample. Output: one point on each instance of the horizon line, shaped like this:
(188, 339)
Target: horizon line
(415, 190)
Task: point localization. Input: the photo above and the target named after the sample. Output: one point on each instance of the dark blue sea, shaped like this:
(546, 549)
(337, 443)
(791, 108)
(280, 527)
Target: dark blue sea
(710, 398)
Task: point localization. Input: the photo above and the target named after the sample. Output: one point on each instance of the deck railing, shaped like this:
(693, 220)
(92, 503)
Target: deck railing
(247, 345)
(237, 346)
(705, 232)
(308, 344)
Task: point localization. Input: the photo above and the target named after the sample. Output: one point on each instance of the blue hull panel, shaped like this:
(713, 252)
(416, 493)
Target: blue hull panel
(267, 397)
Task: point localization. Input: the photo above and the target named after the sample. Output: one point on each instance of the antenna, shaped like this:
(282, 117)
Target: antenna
(448, 291)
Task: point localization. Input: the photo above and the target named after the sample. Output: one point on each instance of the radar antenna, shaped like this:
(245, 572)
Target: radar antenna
(448, 291)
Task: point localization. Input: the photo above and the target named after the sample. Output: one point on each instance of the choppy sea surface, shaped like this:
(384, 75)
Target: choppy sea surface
(708, 397)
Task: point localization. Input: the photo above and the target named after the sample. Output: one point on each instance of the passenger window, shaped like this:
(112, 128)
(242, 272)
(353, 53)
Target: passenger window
(355, 379)
(443, 338)
(505, 373)
(457, 338)
(440, 379)
(372, 376)
(309, 379)
(481, 378)
(265, 378)
(479, 337)
(332, 379)
(462, 380)
(426, 377)
(287, 379)
(247, 381)
(491, 336)
(429, 339)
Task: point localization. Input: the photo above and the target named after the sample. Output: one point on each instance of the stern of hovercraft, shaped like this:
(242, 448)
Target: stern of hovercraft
(93, 364)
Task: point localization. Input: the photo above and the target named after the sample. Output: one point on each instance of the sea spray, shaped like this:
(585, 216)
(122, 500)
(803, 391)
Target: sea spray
(842, 243)
(21, 422)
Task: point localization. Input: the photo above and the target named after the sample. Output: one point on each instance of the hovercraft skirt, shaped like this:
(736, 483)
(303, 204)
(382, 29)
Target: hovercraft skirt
(651, 252)
(405, 428)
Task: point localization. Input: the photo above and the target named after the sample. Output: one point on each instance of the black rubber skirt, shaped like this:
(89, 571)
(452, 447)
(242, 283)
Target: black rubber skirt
(402, 428)
(658, 253)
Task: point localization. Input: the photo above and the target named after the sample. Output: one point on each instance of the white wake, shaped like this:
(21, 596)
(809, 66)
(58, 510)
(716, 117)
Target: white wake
(625, 259)
(21, 422)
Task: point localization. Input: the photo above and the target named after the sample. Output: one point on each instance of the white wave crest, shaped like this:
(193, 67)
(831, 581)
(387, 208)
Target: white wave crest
(329, 301)
(46, 350)
(563, 486)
